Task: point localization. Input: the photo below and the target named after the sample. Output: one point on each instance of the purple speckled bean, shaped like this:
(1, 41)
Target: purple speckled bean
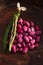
(28, 36)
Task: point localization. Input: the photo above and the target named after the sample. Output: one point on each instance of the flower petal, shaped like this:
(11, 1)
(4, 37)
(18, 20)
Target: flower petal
(18, 5)
(23, 8)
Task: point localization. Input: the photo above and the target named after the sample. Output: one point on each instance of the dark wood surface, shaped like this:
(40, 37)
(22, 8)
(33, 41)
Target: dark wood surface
(38, 3)
(34, 57)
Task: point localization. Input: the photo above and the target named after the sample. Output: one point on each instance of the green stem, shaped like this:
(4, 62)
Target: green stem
(13, 36)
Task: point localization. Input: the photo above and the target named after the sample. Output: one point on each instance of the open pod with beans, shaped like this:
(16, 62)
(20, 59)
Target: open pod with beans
(21, 35)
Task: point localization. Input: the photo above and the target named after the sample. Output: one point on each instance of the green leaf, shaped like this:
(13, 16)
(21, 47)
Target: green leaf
(5, 37)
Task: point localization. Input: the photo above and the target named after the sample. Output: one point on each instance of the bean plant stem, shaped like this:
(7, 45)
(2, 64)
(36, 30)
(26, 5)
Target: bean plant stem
(14, 31)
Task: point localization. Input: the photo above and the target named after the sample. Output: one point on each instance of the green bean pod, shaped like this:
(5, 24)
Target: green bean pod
(5, 37)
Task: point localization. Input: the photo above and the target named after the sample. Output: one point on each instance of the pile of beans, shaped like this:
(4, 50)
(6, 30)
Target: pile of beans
(27, 37)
